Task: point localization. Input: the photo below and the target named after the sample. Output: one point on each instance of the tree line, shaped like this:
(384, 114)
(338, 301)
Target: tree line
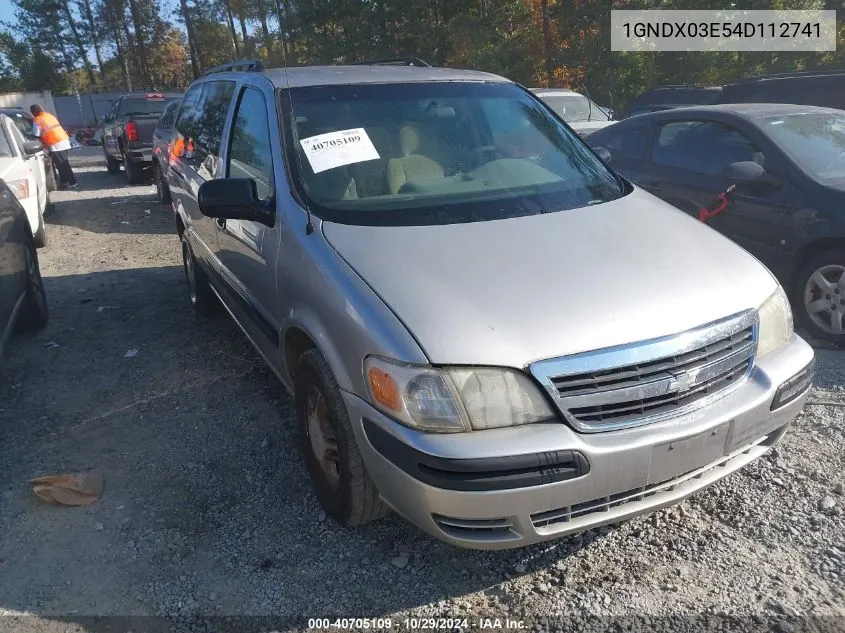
(103, 45)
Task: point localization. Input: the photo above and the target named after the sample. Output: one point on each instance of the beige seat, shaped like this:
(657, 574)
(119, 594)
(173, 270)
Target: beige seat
(413, 166)
(371, 176)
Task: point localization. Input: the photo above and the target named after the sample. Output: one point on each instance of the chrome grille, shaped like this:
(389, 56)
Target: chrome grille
(635, 384)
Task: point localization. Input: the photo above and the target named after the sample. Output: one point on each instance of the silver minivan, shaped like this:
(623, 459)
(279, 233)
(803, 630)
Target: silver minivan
(484, 327)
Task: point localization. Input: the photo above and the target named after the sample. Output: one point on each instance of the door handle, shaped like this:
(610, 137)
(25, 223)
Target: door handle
(221, 223)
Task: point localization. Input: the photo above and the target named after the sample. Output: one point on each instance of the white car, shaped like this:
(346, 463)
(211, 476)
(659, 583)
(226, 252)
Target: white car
(581, 114)
(23, 168)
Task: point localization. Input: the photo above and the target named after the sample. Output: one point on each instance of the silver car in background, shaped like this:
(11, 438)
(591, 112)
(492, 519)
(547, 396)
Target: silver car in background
(483, 327)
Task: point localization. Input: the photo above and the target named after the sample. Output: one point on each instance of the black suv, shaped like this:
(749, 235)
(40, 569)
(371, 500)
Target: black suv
(817, 88)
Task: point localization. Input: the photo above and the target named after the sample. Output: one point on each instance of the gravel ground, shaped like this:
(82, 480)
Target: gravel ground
(207, 512)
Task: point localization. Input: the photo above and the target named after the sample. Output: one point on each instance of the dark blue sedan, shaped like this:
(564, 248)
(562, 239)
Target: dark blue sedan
(787, 207)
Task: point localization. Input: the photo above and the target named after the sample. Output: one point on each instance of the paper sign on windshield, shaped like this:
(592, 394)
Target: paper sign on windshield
(336, 149)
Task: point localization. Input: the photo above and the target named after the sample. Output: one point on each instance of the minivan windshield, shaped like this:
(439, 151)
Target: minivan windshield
(436, 153)
(815, 141)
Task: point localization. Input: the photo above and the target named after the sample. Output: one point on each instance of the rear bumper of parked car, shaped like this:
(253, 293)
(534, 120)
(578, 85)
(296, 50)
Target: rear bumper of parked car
(142, 155)
(512, 487)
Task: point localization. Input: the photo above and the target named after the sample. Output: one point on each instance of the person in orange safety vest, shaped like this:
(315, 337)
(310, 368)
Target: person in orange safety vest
(47, 128)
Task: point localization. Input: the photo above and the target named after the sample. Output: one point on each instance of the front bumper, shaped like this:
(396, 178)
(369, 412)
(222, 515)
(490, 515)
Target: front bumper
(580, 481)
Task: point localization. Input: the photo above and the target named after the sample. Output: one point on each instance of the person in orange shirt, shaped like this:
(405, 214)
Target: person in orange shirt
(47, 127)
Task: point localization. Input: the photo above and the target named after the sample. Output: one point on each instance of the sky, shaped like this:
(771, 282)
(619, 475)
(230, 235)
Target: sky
(7, 10)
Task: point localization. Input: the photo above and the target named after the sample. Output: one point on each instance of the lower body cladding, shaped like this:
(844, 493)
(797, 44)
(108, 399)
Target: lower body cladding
(511, 487)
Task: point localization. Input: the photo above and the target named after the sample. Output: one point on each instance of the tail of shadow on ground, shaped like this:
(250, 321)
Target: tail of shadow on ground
(158, 459)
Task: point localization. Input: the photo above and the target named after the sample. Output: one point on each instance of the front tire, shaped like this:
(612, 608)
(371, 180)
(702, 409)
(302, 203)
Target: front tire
(35, 314)
(202, 297)
(40, 236)
(819, 296)
(329, 447)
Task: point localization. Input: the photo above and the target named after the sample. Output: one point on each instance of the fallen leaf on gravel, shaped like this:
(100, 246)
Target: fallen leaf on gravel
(103, 308)
(124, 222)
(75, 489)
(131, 353)
(120, 201)
(51, 345)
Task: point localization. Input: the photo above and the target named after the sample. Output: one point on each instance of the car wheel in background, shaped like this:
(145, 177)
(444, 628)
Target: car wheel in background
(112, 165)
(200, 293)
(35, 314)
(162, 190)
(820, 296)
(329, 447)
(133, 172)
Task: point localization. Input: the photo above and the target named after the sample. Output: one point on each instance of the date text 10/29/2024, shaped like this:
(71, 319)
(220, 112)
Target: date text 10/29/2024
(417, 624)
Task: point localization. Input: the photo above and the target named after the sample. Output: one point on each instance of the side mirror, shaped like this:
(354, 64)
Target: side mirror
(604, 154)
(232, 199)
(30, 148)
(752, 175)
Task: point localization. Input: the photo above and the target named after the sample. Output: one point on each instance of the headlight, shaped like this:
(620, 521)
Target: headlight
(454, 399)
(775, 323)
(20, 188)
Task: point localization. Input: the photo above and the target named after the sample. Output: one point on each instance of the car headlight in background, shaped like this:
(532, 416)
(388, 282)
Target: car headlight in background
(20, 188)
(775, 323)
(454, 399)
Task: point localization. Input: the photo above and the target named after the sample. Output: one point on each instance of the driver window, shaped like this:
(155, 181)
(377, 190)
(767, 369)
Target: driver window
(249, 153)
(704, 147)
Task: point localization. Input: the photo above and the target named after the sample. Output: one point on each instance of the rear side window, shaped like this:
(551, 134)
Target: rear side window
(211, 117)
(704, 147)
(187, 113)
(249, 148)
(628, 142)
(168, 116)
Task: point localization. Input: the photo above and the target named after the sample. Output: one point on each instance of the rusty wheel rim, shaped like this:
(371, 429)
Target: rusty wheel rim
(322, 437)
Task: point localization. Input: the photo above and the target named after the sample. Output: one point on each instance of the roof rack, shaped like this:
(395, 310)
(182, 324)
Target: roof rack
(693, 86)
(393, 61)
(248, 65)
(802, 73)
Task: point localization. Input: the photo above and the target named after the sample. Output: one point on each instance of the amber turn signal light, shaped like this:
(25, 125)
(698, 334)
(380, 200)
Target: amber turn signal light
(384, 389)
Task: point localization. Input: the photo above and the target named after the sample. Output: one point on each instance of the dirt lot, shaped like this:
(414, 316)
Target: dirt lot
(207, 512)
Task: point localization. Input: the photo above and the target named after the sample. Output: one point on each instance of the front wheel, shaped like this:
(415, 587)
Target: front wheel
(329, 447)
(40, 236)
(200, 293)
(35, 314)
(820, 296)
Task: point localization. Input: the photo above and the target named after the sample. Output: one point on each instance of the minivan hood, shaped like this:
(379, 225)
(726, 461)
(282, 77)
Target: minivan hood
(510, 292)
